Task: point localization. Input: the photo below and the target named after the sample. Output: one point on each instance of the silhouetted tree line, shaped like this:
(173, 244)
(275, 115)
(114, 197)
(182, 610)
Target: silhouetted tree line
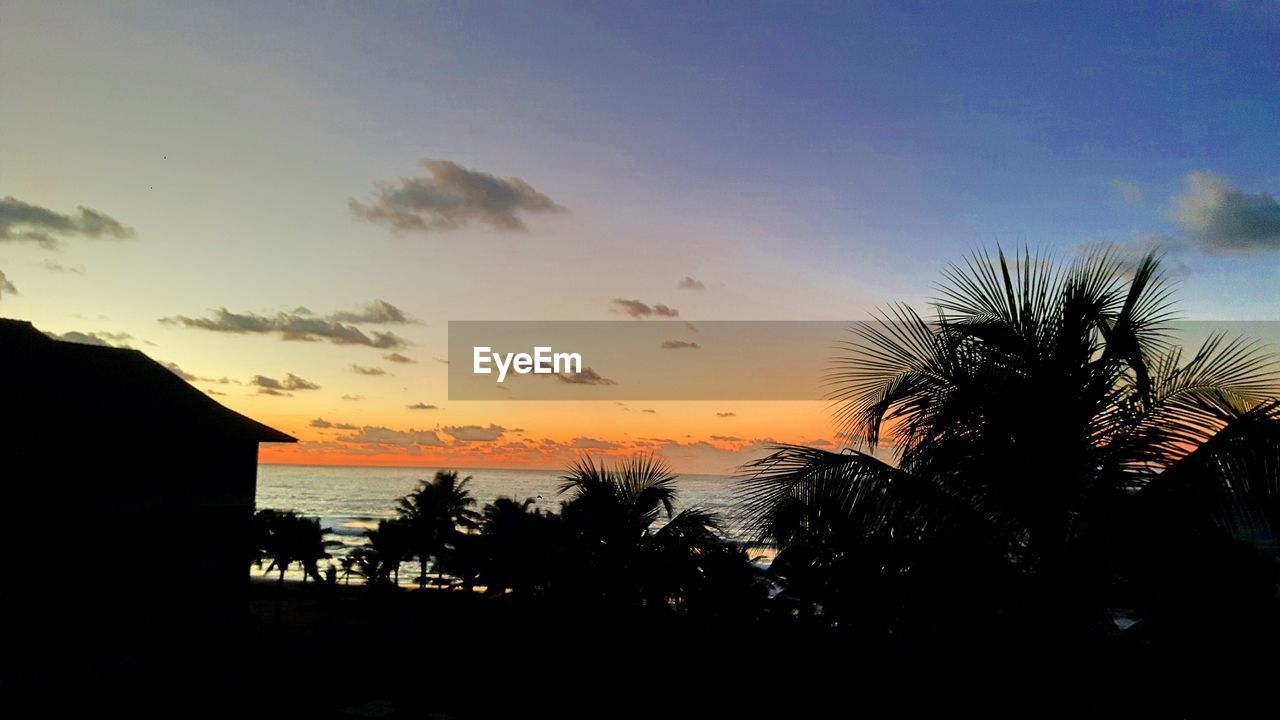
(617, 540)
(1055, 459)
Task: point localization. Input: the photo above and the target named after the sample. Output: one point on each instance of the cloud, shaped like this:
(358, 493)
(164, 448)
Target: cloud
(1220, 217)
(453, 197)
(680, 345)
(423, 406)
(474, 433)
(586, 377)
(378, 312)
(587, 443)
(377, 435)
(1132, 192)
(6, 287)
(325, 425)
(100, 338)
(367, 370)
(727, 438)
(289, 326)
(726, 414)
(651, 411)
(271, 386)
(352, 397)
(24, 222)
(189, 377)
(398, 358)
(688, 283)
(55, 266)
(637, 309)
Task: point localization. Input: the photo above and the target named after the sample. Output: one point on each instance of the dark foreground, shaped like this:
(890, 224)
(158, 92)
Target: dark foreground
(343, 652)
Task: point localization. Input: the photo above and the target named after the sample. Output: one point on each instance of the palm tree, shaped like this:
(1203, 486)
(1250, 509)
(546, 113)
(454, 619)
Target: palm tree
(309, 545)
(287, 537)
(1041, 417)
(388, 547)
(624, 555)
(436, 512)
(520, 546)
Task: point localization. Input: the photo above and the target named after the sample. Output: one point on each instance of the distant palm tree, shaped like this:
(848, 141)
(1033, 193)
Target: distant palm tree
(435, 513)
(289, 538)
(1038, 418)
(310, 545)
(388, 547)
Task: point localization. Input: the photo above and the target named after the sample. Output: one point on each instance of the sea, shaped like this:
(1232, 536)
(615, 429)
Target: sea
(350, 500)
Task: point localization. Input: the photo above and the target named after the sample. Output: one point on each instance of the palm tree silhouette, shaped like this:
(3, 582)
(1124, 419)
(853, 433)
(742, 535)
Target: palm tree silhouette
(1041, 415)
(613, 514)
(388, 547)
(436, 513)
(287, 537)
(520, 546)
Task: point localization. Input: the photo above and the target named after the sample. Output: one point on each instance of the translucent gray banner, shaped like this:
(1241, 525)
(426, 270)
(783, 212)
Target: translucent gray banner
(677, 360)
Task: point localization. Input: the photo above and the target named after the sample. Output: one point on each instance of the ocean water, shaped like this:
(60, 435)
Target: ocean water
(350, 500)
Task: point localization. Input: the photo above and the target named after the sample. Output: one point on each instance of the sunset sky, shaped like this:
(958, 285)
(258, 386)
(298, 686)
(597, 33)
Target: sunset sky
(278, 199)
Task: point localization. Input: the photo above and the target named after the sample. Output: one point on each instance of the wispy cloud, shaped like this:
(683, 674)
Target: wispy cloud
(362, 370)
(271, 386)
(289, 326)
(55, 266)
(323, 424)
(398, 358)
(23, 222)
(688, 283)
(423, 406)
(100, 338)
(451, 197)
(474, 433)
(191, 377)
(6, 286)
(1221, 217)
(589, 443)
(638, 309)
(377, 435)
(586, 377)
(680, 345)
(378, 312)
(1132, 192)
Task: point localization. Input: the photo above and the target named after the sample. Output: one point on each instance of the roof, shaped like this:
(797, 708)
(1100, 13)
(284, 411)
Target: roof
(51, 388)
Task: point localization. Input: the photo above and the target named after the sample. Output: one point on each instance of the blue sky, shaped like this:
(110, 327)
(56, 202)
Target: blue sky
(802, 161)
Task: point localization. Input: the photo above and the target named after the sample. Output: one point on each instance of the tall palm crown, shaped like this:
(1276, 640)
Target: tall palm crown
(614, 511)
(435, 514)
(1026, 414)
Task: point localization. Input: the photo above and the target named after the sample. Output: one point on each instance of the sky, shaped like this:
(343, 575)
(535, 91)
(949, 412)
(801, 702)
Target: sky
(234, 188)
